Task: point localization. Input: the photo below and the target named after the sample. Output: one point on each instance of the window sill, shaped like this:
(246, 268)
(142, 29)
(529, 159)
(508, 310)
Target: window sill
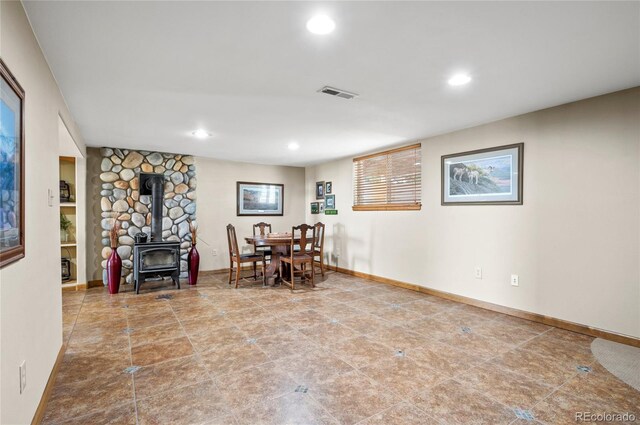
(388, 207)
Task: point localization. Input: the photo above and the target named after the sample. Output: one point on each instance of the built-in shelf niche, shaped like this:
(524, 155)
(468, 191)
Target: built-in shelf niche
(68, 245)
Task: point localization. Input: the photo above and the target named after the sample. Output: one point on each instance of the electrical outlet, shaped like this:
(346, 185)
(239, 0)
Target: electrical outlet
(214, 252)
(23, 376)
(515, 280)
(478, 272)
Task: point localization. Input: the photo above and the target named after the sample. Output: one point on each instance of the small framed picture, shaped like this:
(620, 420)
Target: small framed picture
(330, 202)
(315, 208)
(319, 190)
(321, 207)
(483, 177)
(328, 188)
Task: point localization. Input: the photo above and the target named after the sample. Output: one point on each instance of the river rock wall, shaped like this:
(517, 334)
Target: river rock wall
(120, 197)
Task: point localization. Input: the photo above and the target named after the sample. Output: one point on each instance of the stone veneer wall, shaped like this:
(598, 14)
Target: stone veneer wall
(119, 197)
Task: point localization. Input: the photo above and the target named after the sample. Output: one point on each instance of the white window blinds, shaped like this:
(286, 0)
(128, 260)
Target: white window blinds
(390, 180)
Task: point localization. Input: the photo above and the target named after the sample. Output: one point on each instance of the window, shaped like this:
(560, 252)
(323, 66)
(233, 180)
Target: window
(390, 180)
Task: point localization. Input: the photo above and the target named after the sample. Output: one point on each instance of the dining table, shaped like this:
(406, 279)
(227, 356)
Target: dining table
(280, 244)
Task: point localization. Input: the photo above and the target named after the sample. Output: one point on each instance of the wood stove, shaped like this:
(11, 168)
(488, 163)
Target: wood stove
(156, 258)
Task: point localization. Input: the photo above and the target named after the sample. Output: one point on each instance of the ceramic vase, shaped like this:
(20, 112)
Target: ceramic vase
(193, 260)
(114, 271)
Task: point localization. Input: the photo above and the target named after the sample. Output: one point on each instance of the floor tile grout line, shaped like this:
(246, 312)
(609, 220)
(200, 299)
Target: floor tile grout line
(498, 356)
(133, 379)
(65, 346)
(310, 395)
(73, 327)
(402, 401)
(484, 362)
(556, 390)
(198, 357)
(336, 376)
(520, 347)
(512, 409)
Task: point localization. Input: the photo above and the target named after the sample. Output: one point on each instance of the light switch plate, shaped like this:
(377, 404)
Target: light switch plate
(23, 376)
(515, 280)
(478, 272)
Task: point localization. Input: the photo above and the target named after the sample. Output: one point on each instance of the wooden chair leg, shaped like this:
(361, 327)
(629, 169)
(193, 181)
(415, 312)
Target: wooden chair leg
(313, 273)
(264, 272)
(255, 273)
(293, 276)
(230, 270)
(322, 263)
(238, 268)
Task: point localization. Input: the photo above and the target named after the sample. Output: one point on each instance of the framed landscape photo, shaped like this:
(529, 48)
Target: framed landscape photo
(12, 232)
(328, 188)
(260, 198)
(319, 190)
(490, 176)
(315, 208)
(330, 202)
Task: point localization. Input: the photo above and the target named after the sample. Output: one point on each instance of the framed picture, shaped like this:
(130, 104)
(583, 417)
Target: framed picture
(260, 198)
(321, 207)
(319, 190)
(12, 232)
(328, 187)
(490, 176)
(315, 208)
(330, 202)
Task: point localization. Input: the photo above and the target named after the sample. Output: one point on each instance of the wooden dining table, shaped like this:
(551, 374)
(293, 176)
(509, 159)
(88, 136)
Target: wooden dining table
(280, 244)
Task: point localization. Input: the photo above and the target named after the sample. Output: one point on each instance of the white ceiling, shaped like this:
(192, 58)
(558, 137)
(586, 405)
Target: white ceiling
(145, 74)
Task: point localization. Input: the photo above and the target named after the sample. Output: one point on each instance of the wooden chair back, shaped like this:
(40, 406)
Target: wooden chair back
(302, 231)
(262, 227)
(233, 241)
(319, 243)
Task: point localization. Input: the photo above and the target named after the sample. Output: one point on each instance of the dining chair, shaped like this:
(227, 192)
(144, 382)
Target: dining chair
(318, 247)
(262, 229)
(236, 257)
(299, 260)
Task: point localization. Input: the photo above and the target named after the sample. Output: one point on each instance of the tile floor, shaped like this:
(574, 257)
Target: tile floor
(350, 351)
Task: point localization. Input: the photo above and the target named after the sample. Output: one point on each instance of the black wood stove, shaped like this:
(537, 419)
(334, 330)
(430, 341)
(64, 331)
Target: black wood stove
(156, 258)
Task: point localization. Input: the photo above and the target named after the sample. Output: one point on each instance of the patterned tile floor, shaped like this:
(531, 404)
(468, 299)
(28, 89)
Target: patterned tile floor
(350, 351)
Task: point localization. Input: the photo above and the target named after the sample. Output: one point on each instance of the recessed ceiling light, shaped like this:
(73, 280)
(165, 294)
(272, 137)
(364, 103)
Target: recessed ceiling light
(459, 80)
(321, 24)
(293, 146)
(201, 133)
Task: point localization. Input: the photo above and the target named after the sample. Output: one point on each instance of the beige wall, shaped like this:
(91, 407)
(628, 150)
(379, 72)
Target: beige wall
(30, 296)
(217, 204)
(574, 243)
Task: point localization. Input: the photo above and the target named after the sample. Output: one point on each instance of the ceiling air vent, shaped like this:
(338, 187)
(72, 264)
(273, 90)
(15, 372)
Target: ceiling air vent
(337, 92)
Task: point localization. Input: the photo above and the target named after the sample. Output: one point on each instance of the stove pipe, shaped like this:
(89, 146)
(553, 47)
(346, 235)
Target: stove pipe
(153, 184)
